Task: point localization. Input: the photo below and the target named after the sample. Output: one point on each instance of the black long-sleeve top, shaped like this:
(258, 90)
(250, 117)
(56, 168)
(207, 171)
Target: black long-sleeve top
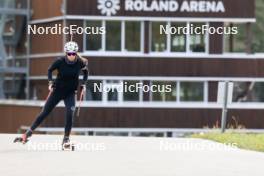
(68, 73)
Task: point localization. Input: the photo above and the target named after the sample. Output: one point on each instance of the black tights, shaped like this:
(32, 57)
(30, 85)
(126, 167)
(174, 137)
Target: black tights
(52, 101)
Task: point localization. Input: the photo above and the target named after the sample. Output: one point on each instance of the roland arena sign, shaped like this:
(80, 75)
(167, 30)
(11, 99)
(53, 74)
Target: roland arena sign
(174, 6)
(164, 8)
(111, 7)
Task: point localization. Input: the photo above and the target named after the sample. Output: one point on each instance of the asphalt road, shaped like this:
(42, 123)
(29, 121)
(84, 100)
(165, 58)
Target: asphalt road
(126, 156)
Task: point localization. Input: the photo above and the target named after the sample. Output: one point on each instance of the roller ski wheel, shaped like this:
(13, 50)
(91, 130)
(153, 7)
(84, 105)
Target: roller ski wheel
(67, 145)
(24, 138)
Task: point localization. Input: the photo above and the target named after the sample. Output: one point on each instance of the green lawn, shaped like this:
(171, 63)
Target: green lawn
(245, 141)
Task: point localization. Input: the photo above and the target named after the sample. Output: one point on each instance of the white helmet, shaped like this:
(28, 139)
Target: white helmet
(71, 47)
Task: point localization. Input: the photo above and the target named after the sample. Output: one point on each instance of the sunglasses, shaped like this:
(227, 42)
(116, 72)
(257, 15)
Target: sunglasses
(71, 54)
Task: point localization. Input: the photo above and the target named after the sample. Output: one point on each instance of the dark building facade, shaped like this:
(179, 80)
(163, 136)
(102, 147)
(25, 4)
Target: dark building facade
(132, 51)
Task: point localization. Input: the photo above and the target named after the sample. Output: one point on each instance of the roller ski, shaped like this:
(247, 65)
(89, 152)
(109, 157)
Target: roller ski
(24, 138)
(66, 144)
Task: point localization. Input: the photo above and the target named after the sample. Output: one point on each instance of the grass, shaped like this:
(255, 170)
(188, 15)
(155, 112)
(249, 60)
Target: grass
(245, 141)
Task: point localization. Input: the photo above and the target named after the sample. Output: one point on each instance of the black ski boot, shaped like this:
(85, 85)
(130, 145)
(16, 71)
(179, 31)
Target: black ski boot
(66, 144)
(24, 138)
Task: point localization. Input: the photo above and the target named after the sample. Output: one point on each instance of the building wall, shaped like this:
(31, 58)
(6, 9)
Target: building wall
(22, 115)
(16, 116)
(46, 9)
(126, 66)
(167, 66)
(46, 43)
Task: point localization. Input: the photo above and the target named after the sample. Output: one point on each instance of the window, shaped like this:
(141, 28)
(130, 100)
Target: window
(124, 91)
(197, 41)
(126, 36)
(94, 41)
(112, 90)
(235, 42)
(248, 92)
(113, 35)
(131, 94)
(178, 40)
(158, 41)
(112, 95)
(132, 36)
(191, 91)
(166, 91)
(93, 92)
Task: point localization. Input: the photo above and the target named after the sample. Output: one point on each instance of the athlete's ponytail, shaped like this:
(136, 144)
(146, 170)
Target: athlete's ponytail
(83, 59)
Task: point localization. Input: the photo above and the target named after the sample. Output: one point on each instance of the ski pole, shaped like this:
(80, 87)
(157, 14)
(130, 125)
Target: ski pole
(81, 97)
(50, 91)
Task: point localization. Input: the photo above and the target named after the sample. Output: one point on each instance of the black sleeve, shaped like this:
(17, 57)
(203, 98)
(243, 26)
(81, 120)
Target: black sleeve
(84, 67)
(53, 67)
